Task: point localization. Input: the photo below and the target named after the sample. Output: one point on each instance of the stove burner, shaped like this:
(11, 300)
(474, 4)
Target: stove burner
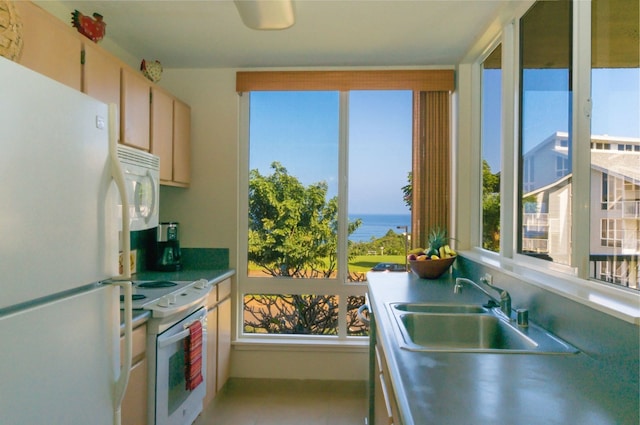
(157, 284)
(134, 297)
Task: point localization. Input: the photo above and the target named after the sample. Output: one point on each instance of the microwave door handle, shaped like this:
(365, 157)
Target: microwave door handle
(118, 176)
(153, 197)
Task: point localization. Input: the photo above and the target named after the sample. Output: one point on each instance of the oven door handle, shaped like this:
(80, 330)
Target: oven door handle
(175, 338)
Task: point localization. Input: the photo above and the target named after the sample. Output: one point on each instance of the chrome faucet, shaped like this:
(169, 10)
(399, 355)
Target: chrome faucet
(505, 298)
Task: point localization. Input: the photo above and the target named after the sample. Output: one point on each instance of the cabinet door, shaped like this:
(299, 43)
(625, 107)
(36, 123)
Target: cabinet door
(181, 142)
(162, 131)
(224, 342)
(134, 403)
(135, 109)
(386, 410)
(101, 74)
(212, 355)
(49, 46)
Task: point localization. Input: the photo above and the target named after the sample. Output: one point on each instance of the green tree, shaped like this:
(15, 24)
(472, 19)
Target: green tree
(490, 208)
(292, 233)
(292, 228)
(407, 190)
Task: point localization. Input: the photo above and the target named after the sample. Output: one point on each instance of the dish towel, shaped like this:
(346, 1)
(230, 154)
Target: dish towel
(193, 356)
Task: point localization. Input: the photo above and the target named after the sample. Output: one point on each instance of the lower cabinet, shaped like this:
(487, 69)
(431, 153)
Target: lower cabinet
(218, 339)
(134, 404)
(386, 410)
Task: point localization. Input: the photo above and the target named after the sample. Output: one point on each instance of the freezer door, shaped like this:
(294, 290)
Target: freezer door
(57, 216)
(58, 361)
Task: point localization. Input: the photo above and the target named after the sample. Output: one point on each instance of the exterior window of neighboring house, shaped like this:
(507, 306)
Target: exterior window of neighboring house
(545, 217)
(528, 179)
(611, 232)
(491, 148)
(562, 166)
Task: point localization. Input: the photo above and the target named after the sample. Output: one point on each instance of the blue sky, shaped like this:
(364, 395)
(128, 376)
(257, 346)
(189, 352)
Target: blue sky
(300, 130)
(615, 99)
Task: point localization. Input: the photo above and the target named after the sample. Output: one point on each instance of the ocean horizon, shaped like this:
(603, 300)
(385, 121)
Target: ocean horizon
(377, 225)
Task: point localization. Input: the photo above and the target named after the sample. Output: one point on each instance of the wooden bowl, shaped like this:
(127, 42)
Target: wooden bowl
(431, 269)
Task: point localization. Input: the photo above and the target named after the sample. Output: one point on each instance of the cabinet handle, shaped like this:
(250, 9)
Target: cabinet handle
(385, 395)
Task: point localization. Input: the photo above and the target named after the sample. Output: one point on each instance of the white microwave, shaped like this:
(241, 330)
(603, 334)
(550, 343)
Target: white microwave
(142, 178)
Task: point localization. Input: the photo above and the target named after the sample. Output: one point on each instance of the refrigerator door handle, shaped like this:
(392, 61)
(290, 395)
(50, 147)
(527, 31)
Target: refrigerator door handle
(125, 368)
(118, 176)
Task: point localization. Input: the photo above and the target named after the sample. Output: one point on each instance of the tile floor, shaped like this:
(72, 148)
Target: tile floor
(287, 402)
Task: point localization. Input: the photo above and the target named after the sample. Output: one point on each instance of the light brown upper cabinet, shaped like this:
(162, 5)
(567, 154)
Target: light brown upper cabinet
(181, 143)
(170, 137)
(135, 109)
(49, 46)
(100, 74)
(162, 131)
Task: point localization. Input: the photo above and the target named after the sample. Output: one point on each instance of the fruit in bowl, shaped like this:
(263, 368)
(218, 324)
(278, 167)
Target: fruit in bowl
(432, 262)
(431, 268)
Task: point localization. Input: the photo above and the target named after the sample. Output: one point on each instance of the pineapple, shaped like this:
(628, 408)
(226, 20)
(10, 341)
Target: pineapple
(437, 242)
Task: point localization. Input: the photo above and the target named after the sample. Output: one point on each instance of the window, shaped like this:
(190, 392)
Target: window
(576, 99)
(615, 77)
(491, 148)
(545, 124)
(319, 162)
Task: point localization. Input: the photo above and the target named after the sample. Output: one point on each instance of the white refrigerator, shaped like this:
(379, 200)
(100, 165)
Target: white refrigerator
(59, 325)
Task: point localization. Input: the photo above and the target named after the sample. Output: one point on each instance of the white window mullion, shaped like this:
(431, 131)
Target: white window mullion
(581, 144)
(343, 202)
(510, 154)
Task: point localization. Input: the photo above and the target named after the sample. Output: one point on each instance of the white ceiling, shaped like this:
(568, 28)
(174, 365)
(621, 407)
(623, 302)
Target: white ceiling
(203, 34)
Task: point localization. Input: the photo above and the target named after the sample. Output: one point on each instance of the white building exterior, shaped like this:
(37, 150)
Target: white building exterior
(615, 205)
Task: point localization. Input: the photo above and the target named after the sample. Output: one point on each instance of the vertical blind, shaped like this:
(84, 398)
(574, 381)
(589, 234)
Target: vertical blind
(431, 127)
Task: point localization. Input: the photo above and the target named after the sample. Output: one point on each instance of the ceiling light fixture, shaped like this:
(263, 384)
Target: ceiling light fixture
(266, 14)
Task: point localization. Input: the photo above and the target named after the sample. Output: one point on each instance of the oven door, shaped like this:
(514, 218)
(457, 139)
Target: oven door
(175, 404)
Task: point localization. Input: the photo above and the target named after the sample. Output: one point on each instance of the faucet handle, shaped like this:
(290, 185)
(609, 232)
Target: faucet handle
(491, 304)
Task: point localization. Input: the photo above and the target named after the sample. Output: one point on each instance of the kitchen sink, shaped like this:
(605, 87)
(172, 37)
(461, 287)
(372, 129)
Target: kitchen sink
(439, 308)
(469, 328)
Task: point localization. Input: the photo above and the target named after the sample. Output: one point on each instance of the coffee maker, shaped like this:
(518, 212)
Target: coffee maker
(168, 247)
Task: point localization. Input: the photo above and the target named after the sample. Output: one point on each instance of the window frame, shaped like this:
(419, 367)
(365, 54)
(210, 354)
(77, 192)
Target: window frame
(262, 285)
(570, 281)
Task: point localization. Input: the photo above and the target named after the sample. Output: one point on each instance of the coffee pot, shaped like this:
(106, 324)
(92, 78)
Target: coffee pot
(168, 247)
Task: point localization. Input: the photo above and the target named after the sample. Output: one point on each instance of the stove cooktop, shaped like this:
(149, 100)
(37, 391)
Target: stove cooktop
(150, 291)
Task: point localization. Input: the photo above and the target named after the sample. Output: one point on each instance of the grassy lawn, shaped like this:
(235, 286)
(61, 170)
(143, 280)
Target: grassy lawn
(363, 263)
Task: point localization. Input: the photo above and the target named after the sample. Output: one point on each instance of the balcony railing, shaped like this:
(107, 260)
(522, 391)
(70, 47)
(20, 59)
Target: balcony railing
(535, 245)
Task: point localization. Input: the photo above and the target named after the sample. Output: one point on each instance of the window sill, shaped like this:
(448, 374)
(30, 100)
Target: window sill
(617, 302)
(299, 343)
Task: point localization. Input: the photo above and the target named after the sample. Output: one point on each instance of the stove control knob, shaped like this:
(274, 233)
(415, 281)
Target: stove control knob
(163, 302)
(201, 284)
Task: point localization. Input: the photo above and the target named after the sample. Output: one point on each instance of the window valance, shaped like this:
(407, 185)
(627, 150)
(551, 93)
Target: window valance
(415, 80)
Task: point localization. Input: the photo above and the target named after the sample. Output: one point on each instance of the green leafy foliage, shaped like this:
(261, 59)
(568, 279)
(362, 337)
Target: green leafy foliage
(490, 208)
(292, 228)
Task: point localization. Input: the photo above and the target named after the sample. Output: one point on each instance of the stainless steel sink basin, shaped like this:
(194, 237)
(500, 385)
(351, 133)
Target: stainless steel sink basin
(463, 332)
(475, 329)
(439, 308)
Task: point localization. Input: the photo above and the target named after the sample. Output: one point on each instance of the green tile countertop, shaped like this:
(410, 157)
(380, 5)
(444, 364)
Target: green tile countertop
(500, 389)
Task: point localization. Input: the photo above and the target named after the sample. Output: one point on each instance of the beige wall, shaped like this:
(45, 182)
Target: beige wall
(207, 211)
